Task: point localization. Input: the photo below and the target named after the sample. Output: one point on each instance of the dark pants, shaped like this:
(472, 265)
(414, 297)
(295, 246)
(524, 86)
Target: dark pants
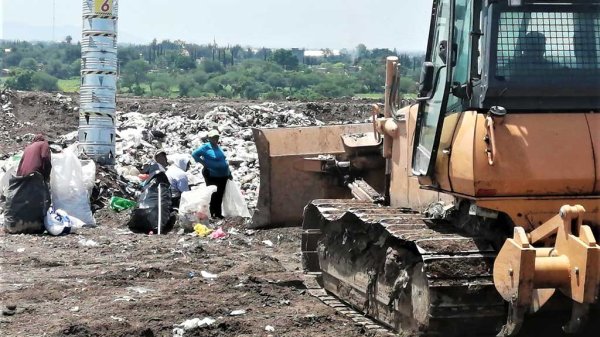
(175, 202)
(217, 197)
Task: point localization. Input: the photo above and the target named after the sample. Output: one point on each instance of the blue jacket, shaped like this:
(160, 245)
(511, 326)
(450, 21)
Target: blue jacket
(213, 159)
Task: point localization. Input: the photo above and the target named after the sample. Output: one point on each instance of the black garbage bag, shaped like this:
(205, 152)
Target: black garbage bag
(144, 218)
(27, 202)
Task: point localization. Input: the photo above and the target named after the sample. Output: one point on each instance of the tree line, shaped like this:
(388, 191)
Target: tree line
(179, 69)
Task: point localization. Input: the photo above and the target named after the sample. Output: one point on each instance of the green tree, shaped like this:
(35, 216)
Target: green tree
(200, 77)
(362, 51)
(183, 62)
(44, 82)
(211, 67)
(186, 86)
(160, 88)
(58, 69)
(135, 72)
(21, 80)
(286, 59)
(12, 59)
(75, 68)
(28, 63)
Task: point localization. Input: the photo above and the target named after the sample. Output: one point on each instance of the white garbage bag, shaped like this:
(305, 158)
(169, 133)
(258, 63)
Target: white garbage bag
(68, 188)
(233, 201)
(195, 206)
(58, 222)
(88, 168)
(8, 169)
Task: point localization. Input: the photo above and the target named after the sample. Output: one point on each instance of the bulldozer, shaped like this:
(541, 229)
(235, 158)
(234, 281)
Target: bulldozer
(475, 210)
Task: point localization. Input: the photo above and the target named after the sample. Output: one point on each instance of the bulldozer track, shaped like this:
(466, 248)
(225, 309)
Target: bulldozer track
(342, 308)
(450, 274)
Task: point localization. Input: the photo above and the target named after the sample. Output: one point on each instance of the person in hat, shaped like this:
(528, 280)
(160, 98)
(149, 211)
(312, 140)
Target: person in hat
(216, 170)
(176, 168)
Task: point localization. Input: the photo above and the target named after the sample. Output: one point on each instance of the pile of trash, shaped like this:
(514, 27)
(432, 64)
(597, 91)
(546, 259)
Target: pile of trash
(140, 136)
(176, 129)
(7, 118)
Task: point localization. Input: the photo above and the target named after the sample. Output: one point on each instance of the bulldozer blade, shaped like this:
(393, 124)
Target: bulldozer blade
(291, 174)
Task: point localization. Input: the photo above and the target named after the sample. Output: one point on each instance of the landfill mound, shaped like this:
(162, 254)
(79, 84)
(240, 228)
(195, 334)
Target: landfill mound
(174, 125)
(107, 281)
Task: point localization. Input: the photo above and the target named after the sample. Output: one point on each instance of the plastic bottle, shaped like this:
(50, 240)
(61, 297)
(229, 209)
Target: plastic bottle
(118, 204)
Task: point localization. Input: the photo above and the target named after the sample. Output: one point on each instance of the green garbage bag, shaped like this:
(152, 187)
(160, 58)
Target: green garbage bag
(118, 204)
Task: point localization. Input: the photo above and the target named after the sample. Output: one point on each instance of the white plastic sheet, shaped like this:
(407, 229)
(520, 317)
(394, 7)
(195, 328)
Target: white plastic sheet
(233, 201)
(68, 186)
(194, 205)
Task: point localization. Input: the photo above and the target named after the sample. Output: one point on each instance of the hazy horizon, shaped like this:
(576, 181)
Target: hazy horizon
(334, 24)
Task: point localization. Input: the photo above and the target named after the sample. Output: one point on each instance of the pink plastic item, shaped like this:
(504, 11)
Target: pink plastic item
(218, 234)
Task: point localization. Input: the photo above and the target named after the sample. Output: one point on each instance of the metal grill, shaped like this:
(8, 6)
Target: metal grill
(540, 44)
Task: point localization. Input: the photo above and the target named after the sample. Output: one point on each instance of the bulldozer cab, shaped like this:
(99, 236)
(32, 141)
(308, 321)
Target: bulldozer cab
(522, 55)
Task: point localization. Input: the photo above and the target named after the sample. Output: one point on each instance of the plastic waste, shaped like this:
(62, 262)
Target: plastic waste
(58, 222)
(194, 206)
(201, 230)
(88, 170)
(7, 170)
(68, 187)
(233, 201)
(218, 234)
(88, 243)
(237, 313)
(208, 275)
(153, 206)
(119, 204)
(27, 200)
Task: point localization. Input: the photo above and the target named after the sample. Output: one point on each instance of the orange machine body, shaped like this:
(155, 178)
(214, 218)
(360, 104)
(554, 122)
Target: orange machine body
(542, 161)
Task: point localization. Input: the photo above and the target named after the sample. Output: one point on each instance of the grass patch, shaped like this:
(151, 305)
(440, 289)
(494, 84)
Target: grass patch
(70, 85)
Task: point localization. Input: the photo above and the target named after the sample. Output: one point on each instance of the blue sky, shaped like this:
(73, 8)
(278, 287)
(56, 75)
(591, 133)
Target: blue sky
(332, 24)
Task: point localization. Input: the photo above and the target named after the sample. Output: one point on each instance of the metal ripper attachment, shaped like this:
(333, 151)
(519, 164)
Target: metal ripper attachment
(527, 276)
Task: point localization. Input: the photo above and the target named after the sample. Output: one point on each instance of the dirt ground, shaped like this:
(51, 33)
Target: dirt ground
(107, 281)
(140, 285)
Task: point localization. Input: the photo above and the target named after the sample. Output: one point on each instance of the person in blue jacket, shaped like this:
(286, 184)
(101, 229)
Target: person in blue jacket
(216, 170)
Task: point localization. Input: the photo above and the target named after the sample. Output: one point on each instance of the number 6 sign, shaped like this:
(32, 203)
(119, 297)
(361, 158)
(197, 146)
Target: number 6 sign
(103, 7)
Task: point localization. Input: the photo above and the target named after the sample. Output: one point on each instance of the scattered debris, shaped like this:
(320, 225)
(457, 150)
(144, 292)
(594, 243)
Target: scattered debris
(269, 328)
(218, 234)
(208, 275)
(237, 313)
(202, 230)
(125, 299)
(140, 290)
(9, 310)
(88, 243)
(118, 319)
(191, 324)
(268, 243)
(74, 309)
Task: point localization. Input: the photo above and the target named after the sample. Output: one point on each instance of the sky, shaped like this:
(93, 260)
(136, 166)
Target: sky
(311, 24)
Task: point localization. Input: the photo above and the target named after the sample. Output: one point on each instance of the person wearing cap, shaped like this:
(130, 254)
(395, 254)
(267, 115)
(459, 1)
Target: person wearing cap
(179, 164)
(216, 170)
